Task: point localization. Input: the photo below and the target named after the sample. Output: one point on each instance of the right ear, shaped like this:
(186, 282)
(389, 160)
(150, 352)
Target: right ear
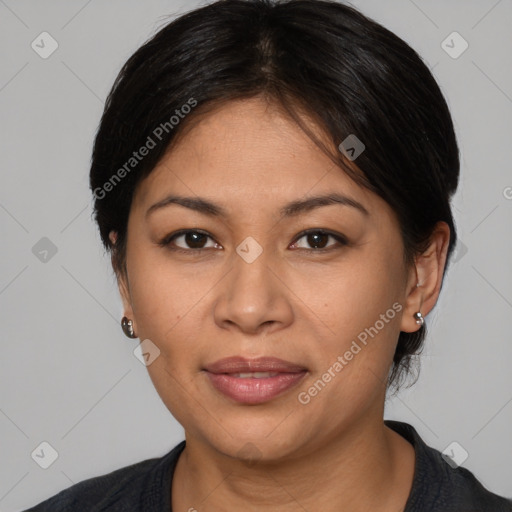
(124, 289)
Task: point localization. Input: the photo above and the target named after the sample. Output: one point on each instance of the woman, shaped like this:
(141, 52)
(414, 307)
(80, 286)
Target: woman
(273, 180)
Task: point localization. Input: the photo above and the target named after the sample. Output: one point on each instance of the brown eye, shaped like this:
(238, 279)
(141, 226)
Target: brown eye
(318, 240)
(194, 240)
(190, 240)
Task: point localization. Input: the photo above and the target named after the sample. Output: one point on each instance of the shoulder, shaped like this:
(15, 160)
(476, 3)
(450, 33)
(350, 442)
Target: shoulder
(439, 485)
(131, 487)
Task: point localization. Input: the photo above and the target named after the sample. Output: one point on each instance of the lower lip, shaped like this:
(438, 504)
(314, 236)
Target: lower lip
(251, 390)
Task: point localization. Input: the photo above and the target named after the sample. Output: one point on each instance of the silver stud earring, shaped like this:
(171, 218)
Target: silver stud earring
(419, 318)
(127, 326)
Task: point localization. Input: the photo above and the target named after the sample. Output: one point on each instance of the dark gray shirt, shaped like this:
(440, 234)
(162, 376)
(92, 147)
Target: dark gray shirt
(146, 486)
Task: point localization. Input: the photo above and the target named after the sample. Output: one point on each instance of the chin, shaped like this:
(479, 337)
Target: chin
(260, 442)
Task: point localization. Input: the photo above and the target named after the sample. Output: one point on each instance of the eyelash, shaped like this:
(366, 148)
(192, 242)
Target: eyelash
(165, 242)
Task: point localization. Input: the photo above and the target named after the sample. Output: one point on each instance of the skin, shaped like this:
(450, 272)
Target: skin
(333, 453)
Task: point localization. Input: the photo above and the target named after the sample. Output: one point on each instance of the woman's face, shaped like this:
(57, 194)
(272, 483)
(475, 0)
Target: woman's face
(261, 288)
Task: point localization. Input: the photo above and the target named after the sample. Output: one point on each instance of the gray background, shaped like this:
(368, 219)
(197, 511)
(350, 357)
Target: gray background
(68, 375)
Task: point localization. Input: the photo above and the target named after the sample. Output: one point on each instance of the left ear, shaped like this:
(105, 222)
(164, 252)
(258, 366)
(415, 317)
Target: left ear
(428, 272)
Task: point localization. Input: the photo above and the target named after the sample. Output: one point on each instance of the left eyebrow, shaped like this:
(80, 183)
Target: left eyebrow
(293, 208)
(306, 205)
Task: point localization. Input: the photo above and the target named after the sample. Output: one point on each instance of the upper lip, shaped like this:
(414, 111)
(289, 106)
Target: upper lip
(238, 364)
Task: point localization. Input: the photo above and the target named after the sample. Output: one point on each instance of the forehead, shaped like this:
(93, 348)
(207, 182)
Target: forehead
(245, 154)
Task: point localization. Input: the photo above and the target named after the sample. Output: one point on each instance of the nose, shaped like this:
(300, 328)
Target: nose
(254, 298)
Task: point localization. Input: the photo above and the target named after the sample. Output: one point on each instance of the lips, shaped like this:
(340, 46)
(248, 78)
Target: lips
(254, 381)
(261, 364)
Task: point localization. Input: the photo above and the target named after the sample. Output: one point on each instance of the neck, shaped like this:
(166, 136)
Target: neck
(369, 467)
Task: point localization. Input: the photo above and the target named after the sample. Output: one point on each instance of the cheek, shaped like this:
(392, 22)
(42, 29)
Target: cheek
(354, 296)
(157, 297)
(169, 304)
(361, 306)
